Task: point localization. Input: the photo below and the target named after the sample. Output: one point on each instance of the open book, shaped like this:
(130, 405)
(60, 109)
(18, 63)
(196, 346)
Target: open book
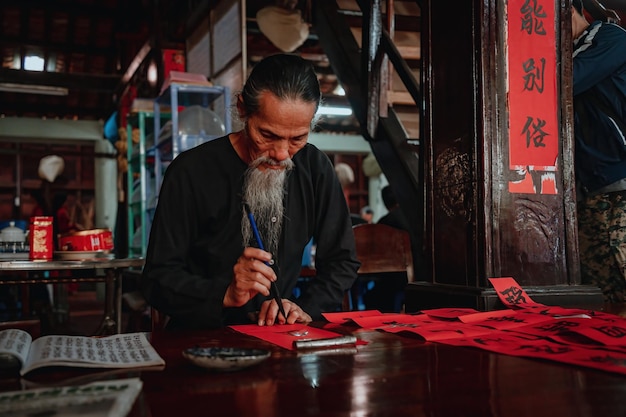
(99, 399)
(129, 350)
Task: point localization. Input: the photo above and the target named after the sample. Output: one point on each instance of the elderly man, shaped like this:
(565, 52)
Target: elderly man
(202, 267)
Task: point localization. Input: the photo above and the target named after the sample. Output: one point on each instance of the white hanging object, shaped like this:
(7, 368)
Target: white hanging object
(284, 28)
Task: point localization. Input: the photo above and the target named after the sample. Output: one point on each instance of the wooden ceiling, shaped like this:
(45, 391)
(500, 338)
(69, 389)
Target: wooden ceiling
(88, 45)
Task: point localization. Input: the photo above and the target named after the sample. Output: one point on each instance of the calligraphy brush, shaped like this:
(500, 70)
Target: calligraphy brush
(259, 242)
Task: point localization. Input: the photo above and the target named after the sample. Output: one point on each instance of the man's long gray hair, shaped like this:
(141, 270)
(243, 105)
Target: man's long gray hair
(263, 192)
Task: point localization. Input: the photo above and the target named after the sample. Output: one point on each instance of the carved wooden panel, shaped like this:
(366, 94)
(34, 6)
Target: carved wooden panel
(475, 227)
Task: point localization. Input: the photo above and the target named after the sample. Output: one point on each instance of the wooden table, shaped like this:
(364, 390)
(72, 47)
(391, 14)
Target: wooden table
(11, 274)
(390, 376)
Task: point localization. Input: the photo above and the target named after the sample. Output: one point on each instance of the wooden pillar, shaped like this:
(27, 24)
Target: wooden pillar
(498, 157)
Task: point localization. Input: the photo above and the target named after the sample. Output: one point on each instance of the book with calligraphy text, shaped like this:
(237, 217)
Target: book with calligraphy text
(98, 399)
(129, 350)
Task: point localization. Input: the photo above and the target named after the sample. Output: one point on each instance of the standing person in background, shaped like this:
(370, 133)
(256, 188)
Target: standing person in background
(367, 214)
(394, 217)
(203, 266)
(47, 198)
(345, 174)
(50, 198)
(599, 85)
(65, 221)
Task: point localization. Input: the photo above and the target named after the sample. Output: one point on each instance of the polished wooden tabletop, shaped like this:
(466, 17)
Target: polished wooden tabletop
(391, 375)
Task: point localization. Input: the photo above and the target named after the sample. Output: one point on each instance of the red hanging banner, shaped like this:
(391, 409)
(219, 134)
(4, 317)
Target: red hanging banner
(532, 96)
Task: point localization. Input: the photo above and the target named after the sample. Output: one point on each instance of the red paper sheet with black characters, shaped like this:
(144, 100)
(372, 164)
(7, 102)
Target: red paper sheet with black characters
(575, 336)
(284, 335)
(569, 335)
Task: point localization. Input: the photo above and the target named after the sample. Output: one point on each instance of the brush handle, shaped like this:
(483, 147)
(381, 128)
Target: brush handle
(257, 237)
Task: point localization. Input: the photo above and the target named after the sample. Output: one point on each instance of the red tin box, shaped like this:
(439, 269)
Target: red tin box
(87, 240)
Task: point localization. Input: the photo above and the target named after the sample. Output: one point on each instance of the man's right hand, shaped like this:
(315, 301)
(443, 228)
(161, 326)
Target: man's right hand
(250, 276)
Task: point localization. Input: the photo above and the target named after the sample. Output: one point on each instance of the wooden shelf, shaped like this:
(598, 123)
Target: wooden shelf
(19, 177)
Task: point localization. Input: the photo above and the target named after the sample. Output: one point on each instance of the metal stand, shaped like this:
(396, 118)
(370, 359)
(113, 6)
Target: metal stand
(112, 316)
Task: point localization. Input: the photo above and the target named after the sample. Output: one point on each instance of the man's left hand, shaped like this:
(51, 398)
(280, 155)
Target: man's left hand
(269, 315)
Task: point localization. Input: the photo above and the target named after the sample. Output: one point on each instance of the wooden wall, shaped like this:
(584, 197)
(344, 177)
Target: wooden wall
(476, 227)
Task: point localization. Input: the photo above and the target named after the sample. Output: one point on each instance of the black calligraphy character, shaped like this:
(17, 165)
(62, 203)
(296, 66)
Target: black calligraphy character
(487, 341)
(514, 295)
(458, 331)
(506, 319)
(612, 331)
(608, 359)
(558, 326)
(531, 17)
(545, 312)
(537, 134)
(394, 323)
(534, 75)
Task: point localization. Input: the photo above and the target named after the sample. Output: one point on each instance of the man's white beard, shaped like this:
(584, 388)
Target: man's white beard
(263, 192)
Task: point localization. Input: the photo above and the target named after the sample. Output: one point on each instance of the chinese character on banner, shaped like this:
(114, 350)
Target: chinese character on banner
(532, 98)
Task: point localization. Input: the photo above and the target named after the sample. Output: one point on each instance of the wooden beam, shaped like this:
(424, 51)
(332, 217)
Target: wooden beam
(59, 109)
(18, 41)
(71, 81)
(101, 9)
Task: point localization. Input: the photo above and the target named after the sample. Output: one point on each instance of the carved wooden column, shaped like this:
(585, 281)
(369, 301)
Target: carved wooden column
(498, 154)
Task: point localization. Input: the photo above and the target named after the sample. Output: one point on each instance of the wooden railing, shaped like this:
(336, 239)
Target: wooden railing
(359, 70)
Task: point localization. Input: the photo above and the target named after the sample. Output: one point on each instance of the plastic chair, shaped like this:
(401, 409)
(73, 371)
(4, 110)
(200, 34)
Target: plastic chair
(381, 249)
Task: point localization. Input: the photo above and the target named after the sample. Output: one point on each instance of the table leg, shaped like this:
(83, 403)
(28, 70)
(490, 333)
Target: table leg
(118, 300)
(110, 321)
(60, 306)
(24, 290)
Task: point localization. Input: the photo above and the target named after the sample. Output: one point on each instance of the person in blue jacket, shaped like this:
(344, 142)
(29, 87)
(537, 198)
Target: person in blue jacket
(599, 89)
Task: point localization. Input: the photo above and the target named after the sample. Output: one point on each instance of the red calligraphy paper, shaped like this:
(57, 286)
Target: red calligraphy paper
(392, 321)
(608, 333)
(486, 315)
(587, 332)
(511, 343)
(561, 312)
(532, 100)
(511, 293)
(504, 319)
(558, 330)
(430, 329)
(532, 95)
(284, 335)
(436, 332)
(569, 335)
(346, 316)
(449, 313)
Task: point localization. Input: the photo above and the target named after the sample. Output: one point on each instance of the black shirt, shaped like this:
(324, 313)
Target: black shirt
(195, 238)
